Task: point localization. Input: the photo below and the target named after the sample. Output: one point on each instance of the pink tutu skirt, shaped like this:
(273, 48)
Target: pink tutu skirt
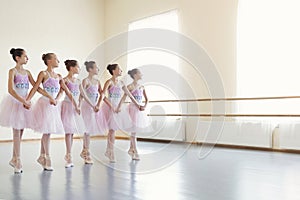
(14, 115)
(94, 121)
(47, 117)
(116, 121)
(140, 120)
(72, 122)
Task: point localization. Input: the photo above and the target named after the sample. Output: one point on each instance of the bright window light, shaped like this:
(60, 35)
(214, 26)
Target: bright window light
(167, 20)
(142, 57)
(268, 54)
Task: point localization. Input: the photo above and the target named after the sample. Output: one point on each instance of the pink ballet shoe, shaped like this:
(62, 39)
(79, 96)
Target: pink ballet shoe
(134, 154)
(18, 166)
(48, 164)
(131, 152)
(110, 155)
(42, 161)
(85, 155)
(12, 162)
(68, 159)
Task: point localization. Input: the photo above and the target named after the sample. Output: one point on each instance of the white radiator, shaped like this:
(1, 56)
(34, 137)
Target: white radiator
(289, 135)
(237, 133)
(168, 129)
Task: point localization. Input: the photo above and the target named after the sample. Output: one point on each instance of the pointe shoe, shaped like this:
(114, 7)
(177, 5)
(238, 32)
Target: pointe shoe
(131, 152)
(135, 156)
(42, 161)
(68, 159)
(48, 164)
(85, 155)
(88, 160)
(12, 162)
(110, 154)
(18, 166)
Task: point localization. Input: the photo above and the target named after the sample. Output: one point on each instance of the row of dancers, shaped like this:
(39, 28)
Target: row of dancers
(87, 107)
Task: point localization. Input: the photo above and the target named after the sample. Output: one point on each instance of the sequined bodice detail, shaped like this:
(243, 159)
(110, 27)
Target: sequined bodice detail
(92, 93)
(21, 84)
(51, 86)
(138, 94)
(115, 94)
(74, 90)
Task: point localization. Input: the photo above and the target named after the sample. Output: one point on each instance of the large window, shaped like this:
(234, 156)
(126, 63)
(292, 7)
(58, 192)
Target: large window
(167, 20)
(148, 57)
(268, 54)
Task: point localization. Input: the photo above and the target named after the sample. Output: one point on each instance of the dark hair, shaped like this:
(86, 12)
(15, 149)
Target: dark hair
(132, 72)
(89, 65)
(16, 52)
(70, 63)
(47, 57)
(111, 67)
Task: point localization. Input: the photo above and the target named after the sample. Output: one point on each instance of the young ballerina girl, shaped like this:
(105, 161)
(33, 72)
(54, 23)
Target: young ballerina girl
(139, 119)
(112, 107)
(93, 118)
(71, 118)
(15, 109)
(47, 114)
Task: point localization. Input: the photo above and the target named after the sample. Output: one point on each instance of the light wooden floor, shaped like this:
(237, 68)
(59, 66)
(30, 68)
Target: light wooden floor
(166, 171)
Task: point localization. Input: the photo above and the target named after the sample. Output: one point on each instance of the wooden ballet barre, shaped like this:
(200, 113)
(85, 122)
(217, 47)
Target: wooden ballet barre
(226, 99)
(224, 115)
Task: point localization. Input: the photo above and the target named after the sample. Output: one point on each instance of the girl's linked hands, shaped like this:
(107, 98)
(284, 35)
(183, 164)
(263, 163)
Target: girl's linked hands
(53, 101)
(78, 110)
(27, 104)
(96, 108)
(142, 108)
(117, 110)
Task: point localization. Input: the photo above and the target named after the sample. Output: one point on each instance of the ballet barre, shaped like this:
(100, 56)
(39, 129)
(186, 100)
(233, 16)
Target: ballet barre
(224, 115)
(226, 99)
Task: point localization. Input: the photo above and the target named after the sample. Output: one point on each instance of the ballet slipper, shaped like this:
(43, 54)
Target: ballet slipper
(18, 166)
(68, 159)
(85, 155)
(110, 155)
(48, 166)
(41, 160)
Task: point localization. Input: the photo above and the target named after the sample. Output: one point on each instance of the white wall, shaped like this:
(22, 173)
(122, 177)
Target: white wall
(70, 28)
(210, 23)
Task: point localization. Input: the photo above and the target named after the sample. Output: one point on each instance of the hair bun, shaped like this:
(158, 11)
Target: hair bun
(86, 63)
(129, 72)
(43, 56)
(66, 62)
(12, 51)
(111, 67)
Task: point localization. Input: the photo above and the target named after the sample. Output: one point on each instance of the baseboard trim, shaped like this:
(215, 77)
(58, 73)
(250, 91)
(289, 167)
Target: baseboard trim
(229, 146)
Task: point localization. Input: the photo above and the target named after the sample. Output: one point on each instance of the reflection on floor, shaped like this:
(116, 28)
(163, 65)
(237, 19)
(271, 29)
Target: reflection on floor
(166, 171)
